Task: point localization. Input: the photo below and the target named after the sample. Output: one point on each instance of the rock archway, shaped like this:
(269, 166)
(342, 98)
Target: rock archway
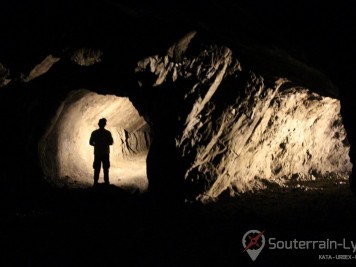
(66, 156)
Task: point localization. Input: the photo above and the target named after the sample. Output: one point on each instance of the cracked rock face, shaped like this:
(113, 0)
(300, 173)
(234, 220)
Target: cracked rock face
(237, 130)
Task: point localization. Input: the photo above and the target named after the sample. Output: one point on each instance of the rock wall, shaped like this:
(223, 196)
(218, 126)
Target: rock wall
(4, 74)
(237, 129)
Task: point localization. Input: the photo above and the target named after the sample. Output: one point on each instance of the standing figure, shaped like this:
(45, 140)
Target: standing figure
(101, 139)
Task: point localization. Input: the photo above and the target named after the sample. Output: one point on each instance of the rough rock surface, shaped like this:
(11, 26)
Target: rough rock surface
(238, 130)
(86, 56)
(4, 74)
(41, 68)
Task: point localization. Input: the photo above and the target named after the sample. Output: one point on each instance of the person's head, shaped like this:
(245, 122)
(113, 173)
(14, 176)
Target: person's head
(102, 123)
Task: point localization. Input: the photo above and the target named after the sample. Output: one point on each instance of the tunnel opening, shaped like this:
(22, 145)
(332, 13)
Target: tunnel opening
(67, 158)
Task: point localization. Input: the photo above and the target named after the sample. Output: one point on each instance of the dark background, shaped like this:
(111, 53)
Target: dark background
(319, 32)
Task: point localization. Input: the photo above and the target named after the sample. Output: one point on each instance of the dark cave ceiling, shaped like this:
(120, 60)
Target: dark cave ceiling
(318, 32)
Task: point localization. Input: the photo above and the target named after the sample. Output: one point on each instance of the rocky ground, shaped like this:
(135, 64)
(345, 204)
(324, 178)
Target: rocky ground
(107, 227)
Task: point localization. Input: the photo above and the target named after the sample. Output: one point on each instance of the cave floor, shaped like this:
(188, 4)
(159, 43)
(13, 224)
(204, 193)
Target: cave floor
(107, 227)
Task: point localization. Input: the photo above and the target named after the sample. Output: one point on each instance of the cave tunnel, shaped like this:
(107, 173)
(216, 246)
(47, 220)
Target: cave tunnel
(67, 158)
(228, 112)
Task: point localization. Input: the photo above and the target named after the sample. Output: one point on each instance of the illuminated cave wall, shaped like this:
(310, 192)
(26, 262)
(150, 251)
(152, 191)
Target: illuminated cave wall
(242, 130)
(67, 157)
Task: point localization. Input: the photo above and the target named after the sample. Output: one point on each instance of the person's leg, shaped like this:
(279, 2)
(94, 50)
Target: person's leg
(96, 176)
(96, 166)
(106, 166)
(106, 176)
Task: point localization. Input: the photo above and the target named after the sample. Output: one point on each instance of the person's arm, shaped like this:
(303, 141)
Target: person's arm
(91, 140)
(111, 140)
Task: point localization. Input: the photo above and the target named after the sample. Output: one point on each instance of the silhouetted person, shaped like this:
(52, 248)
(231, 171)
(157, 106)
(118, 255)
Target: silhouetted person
(101, 139)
